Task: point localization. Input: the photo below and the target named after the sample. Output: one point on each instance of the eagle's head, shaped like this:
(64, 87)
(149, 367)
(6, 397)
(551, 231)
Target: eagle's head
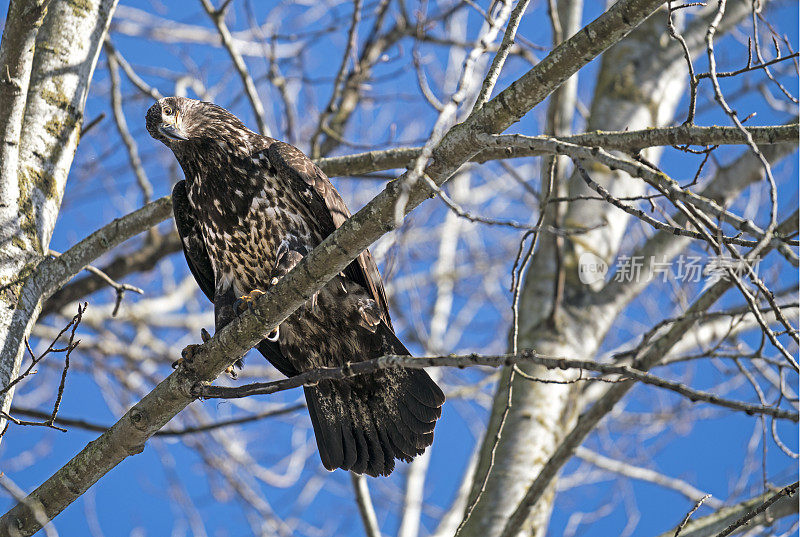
(179, 122)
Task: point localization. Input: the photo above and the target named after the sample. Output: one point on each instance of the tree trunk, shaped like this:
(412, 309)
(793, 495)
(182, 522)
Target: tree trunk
(59, 67)
(640, 83)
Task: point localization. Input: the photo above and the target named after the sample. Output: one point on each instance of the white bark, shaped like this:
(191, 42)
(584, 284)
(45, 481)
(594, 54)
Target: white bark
(67, 47)
(640, 83)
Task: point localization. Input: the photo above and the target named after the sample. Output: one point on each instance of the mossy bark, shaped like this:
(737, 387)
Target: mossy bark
(63, 57)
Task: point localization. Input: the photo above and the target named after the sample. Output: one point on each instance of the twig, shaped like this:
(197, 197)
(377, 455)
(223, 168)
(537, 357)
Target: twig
(666, 185)
(52, 273)
(218, 17)
(195, 429)
(50, 349)
(458, 210)
(789, 490)
(502, 53)
(690, 513)
(122, 126)
(93, 123)
(711, 525)
(588, 420)
(647, 219)
(143, 259)
(338, 84)
(135, 79)
(120, 288)
(365, 508)
(643, 474)
(310, 378)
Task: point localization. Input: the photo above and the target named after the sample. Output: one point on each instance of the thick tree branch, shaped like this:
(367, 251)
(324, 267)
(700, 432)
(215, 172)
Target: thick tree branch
(644, 360)
(144, 259)
(631, 141)
(711, 525)
(128, 436)
(67, 46)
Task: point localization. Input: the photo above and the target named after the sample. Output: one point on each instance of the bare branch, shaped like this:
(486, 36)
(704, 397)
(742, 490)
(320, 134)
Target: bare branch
(365, 508)
(502, 53)
(311, 378)
(218, 17)
(144, 259)
(710, 526)
(589, 419)
(624, 141)
(122, 126)
(644, 474)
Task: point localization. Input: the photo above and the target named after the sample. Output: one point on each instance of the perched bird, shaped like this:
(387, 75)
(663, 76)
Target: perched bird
(250, 208)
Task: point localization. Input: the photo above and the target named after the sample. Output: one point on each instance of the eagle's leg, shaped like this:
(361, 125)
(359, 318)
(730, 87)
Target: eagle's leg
(224, 313)
(187, 354)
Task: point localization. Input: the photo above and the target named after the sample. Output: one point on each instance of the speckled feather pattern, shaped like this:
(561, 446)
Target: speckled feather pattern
(250, 209)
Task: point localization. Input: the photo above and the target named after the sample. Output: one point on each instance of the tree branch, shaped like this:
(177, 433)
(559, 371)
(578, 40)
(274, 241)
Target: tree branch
(311, 378)
(587, 421)
(631, 141)
(644, 474)
(365, 508)
(218, 17)
(710, 526)
(128, 436)
(144, 259)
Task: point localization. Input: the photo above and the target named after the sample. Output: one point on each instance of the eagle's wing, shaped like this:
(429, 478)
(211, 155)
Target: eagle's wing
(194, 249)
(330, 212)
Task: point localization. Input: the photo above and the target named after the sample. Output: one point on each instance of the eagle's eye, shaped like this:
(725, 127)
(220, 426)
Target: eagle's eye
(167, 110)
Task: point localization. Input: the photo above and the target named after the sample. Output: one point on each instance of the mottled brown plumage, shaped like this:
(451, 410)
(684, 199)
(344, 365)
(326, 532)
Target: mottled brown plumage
(250, 208)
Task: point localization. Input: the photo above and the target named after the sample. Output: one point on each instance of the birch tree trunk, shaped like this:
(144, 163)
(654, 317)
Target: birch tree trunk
(41, 135)
(641, 81)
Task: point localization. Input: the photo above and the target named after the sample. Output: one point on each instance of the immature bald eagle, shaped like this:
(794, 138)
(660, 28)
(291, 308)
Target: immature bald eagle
(250, 208)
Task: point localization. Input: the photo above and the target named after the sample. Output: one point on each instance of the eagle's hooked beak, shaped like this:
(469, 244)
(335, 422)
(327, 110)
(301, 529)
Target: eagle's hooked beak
(172, 132)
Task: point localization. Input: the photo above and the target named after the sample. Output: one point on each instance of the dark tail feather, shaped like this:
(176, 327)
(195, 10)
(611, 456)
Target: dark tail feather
(364, 423)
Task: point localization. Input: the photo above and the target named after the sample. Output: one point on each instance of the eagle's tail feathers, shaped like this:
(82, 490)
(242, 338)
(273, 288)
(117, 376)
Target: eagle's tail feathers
(332, 443)
(365, 423)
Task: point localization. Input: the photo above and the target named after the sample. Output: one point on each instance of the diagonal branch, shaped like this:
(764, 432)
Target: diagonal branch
(587, 421)
(218, 17)
(710, 526)
(631, 141)
(128, 436)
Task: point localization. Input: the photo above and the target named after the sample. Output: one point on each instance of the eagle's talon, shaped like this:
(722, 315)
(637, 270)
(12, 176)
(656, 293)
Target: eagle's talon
(231, 372)
(204, 335)
(273, 336)
(187, 356)
(246, 302)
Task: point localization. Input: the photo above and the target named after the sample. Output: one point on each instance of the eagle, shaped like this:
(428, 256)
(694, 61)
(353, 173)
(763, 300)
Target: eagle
(249, 209)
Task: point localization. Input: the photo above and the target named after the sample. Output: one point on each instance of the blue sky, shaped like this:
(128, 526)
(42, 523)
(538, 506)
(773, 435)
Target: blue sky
(133, 499)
